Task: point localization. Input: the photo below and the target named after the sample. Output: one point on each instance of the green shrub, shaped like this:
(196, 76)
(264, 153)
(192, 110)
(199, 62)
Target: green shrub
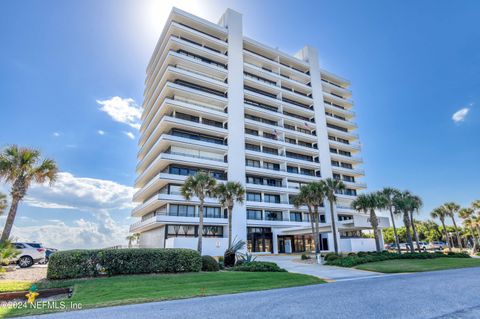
(209, 264)
(367, 257)
(260, 266)
(305, 257)
(351, 254)
(92, 263)
(331, 257)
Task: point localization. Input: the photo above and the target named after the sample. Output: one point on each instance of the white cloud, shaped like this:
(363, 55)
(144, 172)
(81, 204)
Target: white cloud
(81, 193)
(100, 132)
(56, 134)
(460, 115)
(130, 135)
(122, 110)
(92, 202)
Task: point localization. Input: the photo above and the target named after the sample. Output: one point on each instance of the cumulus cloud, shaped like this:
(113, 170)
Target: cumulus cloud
(460, 115)
(122, 110)
(92, 203)
(129, 135)
(100, 132)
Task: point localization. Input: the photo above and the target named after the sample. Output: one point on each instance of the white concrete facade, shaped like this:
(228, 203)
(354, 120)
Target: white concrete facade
(218, 101)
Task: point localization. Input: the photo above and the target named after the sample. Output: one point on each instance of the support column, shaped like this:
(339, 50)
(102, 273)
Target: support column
(232, 20)
(310, 55)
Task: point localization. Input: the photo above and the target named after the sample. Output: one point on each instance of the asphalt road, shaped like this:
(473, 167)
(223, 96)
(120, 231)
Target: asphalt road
(439, 294)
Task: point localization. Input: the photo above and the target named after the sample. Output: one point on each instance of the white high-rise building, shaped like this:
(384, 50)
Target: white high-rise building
(218, 101)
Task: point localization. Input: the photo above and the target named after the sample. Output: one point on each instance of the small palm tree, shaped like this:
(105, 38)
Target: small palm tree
(21, 167)
(331, 187)
(389, 196)
(3, 203)
(441, 213)
(367, 203)
(227, 195)
(415, 204)
(467, 214)
(201, 186)
(403, 203)
(132, 238)
(312, 195)
(453, 209)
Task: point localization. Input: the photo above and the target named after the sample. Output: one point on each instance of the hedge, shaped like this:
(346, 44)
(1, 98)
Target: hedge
(111, 262)
(209, 264)
(261, 266)
(367, 257)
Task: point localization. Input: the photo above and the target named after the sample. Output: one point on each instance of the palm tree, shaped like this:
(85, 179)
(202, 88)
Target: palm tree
(415, 204)
(441, 213)
(21, 167)
(131, 238)
(389, 196)
(331, 187)
(201, 186)
(312, 195)
(3, 203)
(403, 203)
(367, 203)
(227, 195)
(452, 209)
(467, 214)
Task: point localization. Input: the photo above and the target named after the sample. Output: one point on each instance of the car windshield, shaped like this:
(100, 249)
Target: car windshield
(35, 245)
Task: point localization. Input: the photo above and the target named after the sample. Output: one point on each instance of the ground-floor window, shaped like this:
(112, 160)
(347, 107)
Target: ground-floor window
(259, 239)
(192, 231)
(300, 243)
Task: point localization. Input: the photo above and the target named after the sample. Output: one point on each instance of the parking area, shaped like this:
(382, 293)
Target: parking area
(292, 263)
(33, 273)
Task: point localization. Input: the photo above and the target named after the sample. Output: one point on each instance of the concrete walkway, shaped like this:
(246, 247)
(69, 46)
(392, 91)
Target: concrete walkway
(292, 264)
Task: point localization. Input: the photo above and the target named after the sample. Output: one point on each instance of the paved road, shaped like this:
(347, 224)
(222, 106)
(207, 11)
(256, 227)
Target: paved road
(292, 264)
(441, 294)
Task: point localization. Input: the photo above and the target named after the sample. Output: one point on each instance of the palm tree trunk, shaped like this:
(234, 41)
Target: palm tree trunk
(310, 211)
(317, 235)
(374, 223)
(397, 241)
(229, 215)
(456, 232)
(334, 228)
(447, 238)
(415, 232)
(406, 221)
(200, 227)
(474, 248)
(10, 218)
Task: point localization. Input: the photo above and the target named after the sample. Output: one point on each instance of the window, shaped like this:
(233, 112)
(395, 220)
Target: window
(272, 166)
(254, 197)
(271, 198)
(182, 210)
(290, 140)
(272, 215)
(305, 171)
(270, 150)
(212, 212)
(251, 132)
(344, 153)
(195, 136)
(187, 117)
(254, 214)
(347, 178)
(212, 123)
(252, 147)
(299, 156)
(252, 163)
(292, 169)
(295, 216)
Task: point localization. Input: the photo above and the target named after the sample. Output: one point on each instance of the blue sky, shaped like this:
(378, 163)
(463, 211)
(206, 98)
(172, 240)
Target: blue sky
(412, 64)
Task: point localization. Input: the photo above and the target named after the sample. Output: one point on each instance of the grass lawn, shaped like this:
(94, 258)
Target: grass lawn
(416, 265)
(8, 285)
(101, 292)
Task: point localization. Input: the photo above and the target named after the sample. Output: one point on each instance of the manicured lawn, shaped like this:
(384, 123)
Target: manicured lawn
(101, 292)
(416, 265)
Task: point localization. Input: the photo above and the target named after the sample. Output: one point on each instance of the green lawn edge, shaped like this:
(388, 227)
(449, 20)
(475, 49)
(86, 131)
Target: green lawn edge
(419, 265)
(134, 289)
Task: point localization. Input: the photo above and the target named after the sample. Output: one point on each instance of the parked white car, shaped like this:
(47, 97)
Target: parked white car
(30, 253)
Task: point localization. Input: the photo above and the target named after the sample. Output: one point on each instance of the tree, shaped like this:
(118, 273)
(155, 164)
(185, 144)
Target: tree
(21, 167)
(201, 186)
(441, 213)
(3, 203)
(132, 238)
(312, 195)
(403, 203)
(415, 204)
(330, 187)
(452, 209)
(469, 222)
(227, 195)
(389, 196)
(367, 203)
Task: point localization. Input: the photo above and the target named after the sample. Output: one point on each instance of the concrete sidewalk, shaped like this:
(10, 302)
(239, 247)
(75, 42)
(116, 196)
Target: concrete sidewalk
(292, 263)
